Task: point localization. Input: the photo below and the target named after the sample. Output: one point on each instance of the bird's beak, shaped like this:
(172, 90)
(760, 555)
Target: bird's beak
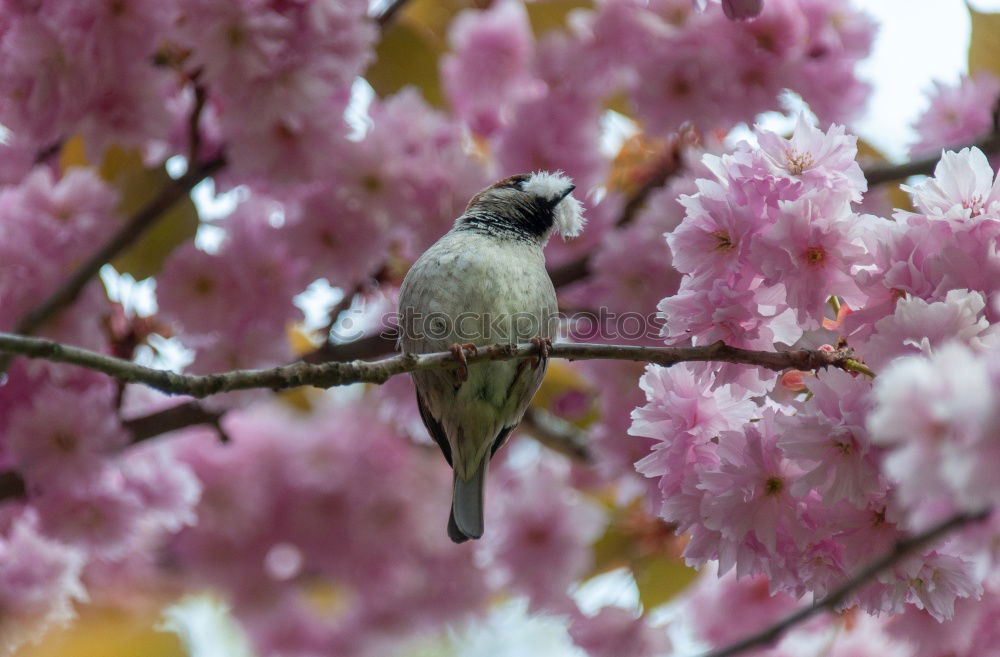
(558, 199)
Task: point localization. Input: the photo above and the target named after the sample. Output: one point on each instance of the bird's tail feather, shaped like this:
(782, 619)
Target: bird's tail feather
(466, 519)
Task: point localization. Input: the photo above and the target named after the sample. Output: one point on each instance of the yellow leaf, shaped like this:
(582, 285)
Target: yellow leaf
(638, 159)
(108, 633)
(548, 15)
(619, 102)
(301, 341)
(660, 578)
(407, 55)
(984, 42)
(124, 170)
(73, 154)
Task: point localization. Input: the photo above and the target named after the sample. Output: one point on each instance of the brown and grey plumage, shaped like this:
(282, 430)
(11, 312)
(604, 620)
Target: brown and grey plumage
(484, 283)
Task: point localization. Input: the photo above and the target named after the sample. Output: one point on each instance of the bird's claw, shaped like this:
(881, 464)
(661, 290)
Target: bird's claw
(543, 345)
(458, 353)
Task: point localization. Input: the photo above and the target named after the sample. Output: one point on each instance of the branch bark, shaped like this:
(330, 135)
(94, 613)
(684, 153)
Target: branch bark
(900, 551)
(326, 375)
(884, 173)
(169, 419)
(67, 293)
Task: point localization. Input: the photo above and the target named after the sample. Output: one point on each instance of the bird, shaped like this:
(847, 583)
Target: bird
(485, 283)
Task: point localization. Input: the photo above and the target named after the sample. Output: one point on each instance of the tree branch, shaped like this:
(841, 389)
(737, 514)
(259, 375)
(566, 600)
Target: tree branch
(326, 375)
(67, 293)
(194, 119)
(903, 548)
(883, 173)
(169, 419)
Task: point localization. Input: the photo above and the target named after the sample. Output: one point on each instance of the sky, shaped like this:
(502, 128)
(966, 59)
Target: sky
(919, 41)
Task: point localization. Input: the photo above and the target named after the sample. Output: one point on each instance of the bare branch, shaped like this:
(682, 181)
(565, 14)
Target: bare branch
(326, 375)
(902, 549)
(884, 173)
(194, 119)
(169, 419)
(67, 293)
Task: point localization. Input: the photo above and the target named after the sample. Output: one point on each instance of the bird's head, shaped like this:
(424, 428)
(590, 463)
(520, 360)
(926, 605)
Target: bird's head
(528, 205)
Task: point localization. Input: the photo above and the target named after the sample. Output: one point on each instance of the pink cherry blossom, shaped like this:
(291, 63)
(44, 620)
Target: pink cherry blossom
(540, 549)
(936, 582)
(64, 433)
(100, 515)
(613, 631)
(810, 251)
(957, 113)
(39, 583)
(725, 609)
(940, 411)
(487, 72)
(962, 189)
(681, 399)
(917, 326)
(824, 161)
(750, 493)
(715, 238)
(827, 437)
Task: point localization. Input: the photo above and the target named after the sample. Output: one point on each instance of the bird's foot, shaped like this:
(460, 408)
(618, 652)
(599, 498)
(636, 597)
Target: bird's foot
(458, 353)
(543, 345)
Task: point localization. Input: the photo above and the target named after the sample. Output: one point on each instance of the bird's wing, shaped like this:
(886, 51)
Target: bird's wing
(434, 427)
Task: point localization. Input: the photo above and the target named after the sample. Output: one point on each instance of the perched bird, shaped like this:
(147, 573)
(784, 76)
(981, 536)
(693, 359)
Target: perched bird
(485, 283)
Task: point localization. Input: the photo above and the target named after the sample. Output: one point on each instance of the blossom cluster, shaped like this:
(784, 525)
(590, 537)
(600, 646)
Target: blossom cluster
(803, 480)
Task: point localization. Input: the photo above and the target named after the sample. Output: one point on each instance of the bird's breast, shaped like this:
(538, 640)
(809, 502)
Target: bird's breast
(476, 289)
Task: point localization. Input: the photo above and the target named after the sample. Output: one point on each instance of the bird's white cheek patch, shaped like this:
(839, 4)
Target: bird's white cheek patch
(569, 217)
(547, 184)
(569, 220)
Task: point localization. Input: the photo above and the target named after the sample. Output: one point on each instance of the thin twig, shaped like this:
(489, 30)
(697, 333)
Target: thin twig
(326, 375)
(903, 548)
(67, 293)
(194, 119)
(320, 354)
